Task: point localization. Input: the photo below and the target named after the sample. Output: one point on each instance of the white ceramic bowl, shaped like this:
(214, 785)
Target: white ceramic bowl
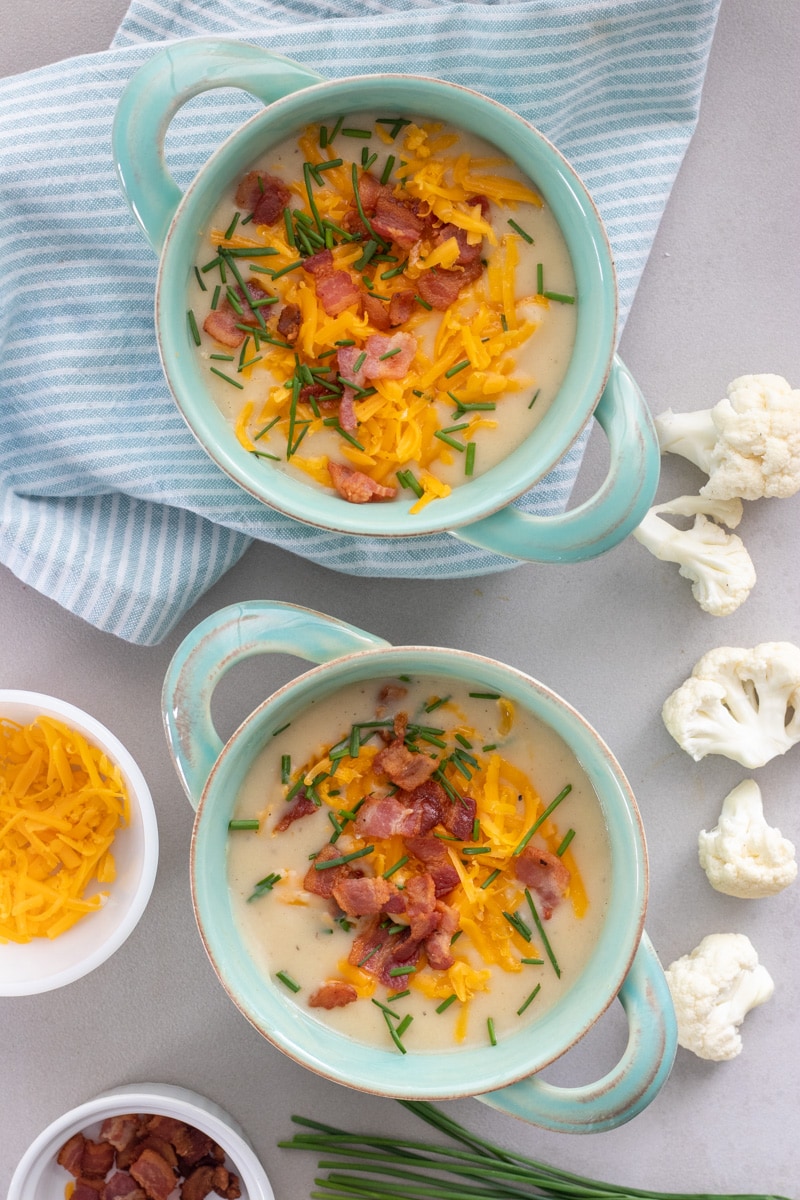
(39, 1177)
(41, 965)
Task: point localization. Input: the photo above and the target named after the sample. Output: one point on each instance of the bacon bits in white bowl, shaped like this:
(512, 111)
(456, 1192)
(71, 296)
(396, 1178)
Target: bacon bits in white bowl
(206, 1134)
(78, 843)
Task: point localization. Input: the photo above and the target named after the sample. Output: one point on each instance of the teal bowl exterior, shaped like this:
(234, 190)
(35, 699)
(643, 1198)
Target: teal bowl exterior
(622, 962)
(480, 512)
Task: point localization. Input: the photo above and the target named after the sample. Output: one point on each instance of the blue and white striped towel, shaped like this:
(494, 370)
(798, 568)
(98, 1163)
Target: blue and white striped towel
(107, 504)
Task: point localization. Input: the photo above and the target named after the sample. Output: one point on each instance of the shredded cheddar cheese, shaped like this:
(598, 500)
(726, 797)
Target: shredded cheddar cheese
(61, 803)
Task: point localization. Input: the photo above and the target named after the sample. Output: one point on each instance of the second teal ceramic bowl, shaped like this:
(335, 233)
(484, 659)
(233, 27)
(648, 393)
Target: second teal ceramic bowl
(480, 512)
(622, 963)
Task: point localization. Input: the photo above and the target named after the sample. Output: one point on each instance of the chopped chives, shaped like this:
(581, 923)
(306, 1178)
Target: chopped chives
(336, 129)
(532, 996)
(333, 423)
(232, 226)
(548, 949)
(516, 922)
(288, 982)
(307, 175)
(469, 462)
(369, 250)
(522, 233)
(504, 323)
(243, 824)
(227, 378)
(265, 454)
(444, 437)
(424, 303)
(398, 995)
(266, 429)
(434, 704)
(358, 364)
(329, 165)
(234, 300)
(559, 297)
(343, 858)
(286, 768)
(357, 133)
(490, 1028)
(491, 746)
(390, 353)
(200, 280)
(490, 878)
(390, 274)
(369, 954)
(215, 297)
(394, 1034)
(407, 969)
(476, 850)
(250, 251)
(533, 962)
(535, 398)
(345, 342)
(459, 366)
(250, 362)
(540, 278)
(476, 829)
(209, 266)
(456, 936)
(413, 483)
(323, 136)
(385, 1008)
(404, 1024)
(456, 428)
(568, 836)
(543, 817)
(222, 357)
(275, 732)
(388, 167)
(298, 262)
(193, 327)
(264, 885)
(485, 695)
(446, 1003)
(401, 862)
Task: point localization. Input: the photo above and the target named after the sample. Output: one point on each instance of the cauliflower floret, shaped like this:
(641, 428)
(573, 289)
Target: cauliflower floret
(748, 444)
(743, 855)
(717, 562)
(713, 989)
(743, 704)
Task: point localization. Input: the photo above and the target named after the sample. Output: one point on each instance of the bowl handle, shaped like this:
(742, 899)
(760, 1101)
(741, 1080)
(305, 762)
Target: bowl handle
(607, 517)
(631, 1085)
(159, 89)
(219, 642)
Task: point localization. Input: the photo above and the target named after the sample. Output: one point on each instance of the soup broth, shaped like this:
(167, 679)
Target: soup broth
(384, 307)
(419, 868)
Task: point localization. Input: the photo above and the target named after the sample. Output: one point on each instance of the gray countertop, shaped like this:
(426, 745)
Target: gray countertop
(720, 297)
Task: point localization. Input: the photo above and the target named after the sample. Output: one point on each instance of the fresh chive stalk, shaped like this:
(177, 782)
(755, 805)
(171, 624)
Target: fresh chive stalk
(548, 949)
(243, 823)
(565, 791)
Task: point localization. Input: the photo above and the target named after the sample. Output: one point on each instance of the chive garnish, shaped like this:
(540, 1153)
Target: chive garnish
(307, 172)
(343, 858)
(388, 167)
(522, 232)
(287, 981)
(369, 954)
(286, 768)
(401, 862)
(222, 357)
(490, 1028)
(195, 332)
(390, 353)
(490, 878)
(407, 969)
(215, 297)
(209, 266)
(548, 949)
(424, 303)
(363, 261)
(360, 206)
(357, 133)
(568, 836)
(491, 746)
(476, 829)
(243, 824)
(390, 274)
(540, 819)
(261, 433)
(227, 378)
(559, 297)
(516, 922)
(434, 704)
(476, 850)
(540, 278)
(532, 996)
(413, 483)
(232, 226)
(298, 262)
(459, 366)
(200, 280)
(404, 1024)
(398, 995)
(394, 1034)
(535, 398)
(329, 165)
(275, 732)
(250, 251)
(336, 129)
(485, 695)
(358, 364)
(449, 441)
(264, 885)
(323, 136)
(533, 962)
(385, 1008)
(469, 462)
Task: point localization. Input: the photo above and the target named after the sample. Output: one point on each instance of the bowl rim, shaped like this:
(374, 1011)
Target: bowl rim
(140, 794)
(377, 1071)
(592, 259)
(154, 1098)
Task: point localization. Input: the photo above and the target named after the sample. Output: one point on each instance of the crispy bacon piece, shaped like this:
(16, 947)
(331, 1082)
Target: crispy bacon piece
(369, 189)
(402, 767)
(265, 196)
(336, 290)
(360, 897)
(88, 1189)
(207, 1179)
(334, 993)
(347, 411)
(321, 883)
(221, 322)
(301, 806)
(97, 1159)
(196, 1147)
(396, 221)
(420, 897)
(401, 307)
(356, 486)
(437, 944)
(468, 254)
(120, 1131)
(431, 851)
(71, 1153)
(440, 288)
(459, 817)
(122, 1186)
(289, 323)
(545, 874)
(376, 951)
(389, 693)
(407, 813)
(154, 1174)
(377, 312)
(381, 358)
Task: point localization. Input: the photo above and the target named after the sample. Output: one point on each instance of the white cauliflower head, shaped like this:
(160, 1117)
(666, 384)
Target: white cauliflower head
(713, 989)
(743, 704)
(743, 855)
(748, 444)
(716, 561)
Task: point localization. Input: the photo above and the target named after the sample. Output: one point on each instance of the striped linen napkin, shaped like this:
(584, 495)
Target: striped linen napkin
(107, 504)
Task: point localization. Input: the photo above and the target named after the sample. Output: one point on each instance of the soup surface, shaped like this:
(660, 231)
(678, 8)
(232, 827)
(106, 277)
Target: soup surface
(420, 868)
(385, 308)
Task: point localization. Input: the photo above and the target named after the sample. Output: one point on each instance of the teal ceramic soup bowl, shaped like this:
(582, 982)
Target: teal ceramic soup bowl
(480, 511)
(622, 962)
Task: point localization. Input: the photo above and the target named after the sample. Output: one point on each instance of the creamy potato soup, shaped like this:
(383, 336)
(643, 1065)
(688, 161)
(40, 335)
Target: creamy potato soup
(383, 307)
(420, 869)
